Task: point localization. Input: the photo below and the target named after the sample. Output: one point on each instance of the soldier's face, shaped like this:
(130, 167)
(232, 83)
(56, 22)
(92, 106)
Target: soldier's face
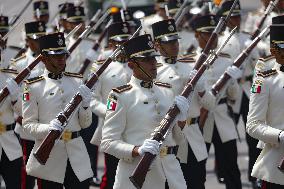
(203, 38)
(149, 65)
(168, 49)
(43, 18)
(278, 53)
(33, 44)
(234, 21)
(55, 63)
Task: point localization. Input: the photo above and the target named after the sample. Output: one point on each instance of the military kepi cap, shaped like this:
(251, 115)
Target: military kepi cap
(128, 16)
(278, 20)
(75, 14)
(119, 31)
(161, 3)
(174, 5)
(165, 30)
(53, 44)
(41, 8)
(205, 23)
(4, 24)
(140, 47)
(276, 35)
(63, 8)
(35, 29)
(226, 7)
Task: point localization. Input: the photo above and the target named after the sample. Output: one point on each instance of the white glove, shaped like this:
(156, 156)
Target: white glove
(192, 73)
(13, 88)
(234, 72)
(281, 137)
(86, 94)
(56, 125)
(183, 105)
(149, 145)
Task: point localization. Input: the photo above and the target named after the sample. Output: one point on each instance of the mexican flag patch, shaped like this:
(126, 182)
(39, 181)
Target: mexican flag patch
(26, 96)
(257, 86)
(112, 103)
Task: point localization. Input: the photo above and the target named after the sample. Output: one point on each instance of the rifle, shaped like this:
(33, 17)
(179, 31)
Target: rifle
(219, 85)
(25, 72)
(14, 20)
(140, 172)
(269, 8)
(95, 48)
(221, 24)
(43, 151)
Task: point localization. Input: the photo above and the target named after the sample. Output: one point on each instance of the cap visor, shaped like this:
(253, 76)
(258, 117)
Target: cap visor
(280, 45)
(120, 39)
(145, 55)
(169, 38)
(63, 51)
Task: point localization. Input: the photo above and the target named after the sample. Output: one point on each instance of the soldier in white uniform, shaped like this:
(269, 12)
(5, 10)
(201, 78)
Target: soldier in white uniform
(265, 119)
(118, 73)
(219, 128)
(177, 71)
(43, 98)
(75, 16)
(63, 7)
(41, 13)
(10, 147)
(33, 31)
(133, 112)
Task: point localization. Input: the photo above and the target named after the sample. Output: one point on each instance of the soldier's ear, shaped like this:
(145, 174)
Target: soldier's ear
(273, 51)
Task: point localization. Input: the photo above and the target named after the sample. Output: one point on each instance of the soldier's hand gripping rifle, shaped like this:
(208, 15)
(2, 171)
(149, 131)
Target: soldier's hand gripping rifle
(221, 24)
(25, 73)
(95, 48)
(219, 85)
(43, 151)
(140, 172)
(268, 10)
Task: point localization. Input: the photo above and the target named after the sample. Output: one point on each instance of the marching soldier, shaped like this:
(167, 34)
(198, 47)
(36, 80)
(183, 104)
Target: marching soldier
(33, 31)
(41, 11)
(177, 71)
(219, 128)
(133, 112)
(265, 119)
(43, 98)
(117, 74)
(63, 8)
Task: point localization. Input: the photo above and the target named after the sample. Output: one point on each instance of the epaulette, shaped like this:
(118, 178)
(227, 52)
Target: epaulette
(264, 59)
(19, 58)
(159, 64)
(122, 88)
(8, 70)
(99, 62)
(267, 73)
(225, 55)
(186, 60)
(34, 80)
(167, 85)
(73, 74)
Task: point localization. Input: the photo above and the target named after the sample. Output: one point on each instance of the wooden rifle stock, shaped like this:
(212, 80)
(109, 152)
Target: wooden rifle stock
(43, 151)
(138, 175)
(222, 81)
(260, 25)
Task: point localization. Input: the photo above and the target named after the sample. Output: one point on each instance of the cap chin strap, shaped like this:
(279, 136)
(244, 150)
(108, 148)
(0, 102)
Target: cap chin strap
(141, 69)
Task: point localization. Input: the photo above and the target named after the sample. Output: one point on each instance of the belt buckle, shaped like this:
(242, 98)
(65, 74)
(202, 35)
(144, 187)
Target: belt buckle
(189, 120)
(2, 128)
(163, 152)
(67, 136)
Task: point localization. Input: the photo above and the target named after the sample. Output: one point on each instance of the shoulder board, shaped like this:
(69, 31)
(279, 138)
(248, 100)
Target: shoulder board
(167, 85)
(34, 80)
(7, 70)
(225, 55)
(190, 55)
(99, 62)
(19, 58)
(256, 12)
(73, 74)
(122, 88)
(267, 73)
(159, 65)
(264, 59)
(186, 60)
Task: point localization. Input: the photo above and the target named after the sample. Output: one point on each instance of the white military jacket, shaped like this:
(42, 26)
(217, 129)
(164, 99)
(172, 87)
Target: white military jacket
(133, 114)
(177, 75)
(44, 98)
(116, 74)
(265, 122)
(219, 114)
(8, 140)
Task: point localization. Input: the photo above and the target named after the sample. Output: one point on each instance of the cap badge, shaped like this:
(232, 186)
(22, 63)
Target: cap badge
(150, 43)
(171, 28)
(60, 42)
(125, 29)
(77, 12)
(40, 28)
(41, 6)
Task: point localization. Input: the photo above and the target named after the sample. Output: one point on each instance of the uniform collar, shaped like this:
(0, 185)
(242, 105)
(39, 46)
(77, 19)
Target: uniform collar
(52, 75)
(141, 83)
